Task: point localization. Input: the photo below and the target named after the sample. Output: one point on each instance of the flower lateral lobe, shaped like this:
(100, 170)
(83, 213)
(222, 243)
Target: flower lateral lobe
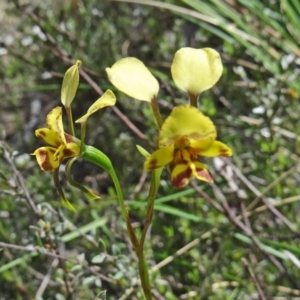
(196, 70)
(159, 158)
(185, 136)
(216, 148)
(107, 99)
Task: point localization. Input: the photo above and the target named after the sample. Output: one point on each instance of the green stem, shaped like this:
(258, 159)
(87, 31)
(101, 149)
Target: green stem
(143, 268)
(82, 135)
(144, 275)
(61, 193)
(99, 158)
(70, 119)
(156, 112)
(150, 204)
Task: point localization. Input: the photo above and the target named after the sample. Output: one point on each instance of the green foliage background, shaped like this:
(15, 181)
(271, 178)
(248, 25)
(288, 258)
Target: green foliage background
(202, 244)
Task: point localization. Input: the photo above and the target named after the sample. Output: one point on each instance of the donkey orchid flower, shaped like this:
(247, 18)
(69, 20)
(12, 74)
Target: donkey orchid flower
(186, 135)
(62, 145)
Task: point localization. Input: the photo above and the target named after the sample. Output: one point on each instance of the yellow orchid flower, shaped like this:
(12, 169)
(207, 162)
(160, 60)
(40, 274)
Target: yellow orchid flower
(186, 135)
(62, 145)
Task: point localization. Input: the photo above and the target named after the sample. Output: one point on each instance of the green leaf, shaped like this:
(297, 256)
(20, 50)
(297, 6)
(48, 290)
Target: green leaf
(98, 259)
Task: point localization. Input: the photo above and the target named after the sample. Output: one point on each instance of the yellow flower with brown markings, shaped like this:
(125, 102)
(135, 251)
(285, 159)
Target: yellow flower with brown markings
(185, 136)
(61, 144)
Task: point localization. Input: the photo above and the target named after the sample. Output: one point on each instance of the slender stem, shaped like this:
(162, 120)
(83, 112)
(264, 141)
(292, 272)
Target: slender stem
(73, 182)
(193, 100)
(70, 119)
(99, 158)
(156, 112)
(61, 192)
(82, 135)
(150, 207)
(144, 275)
(143, 268)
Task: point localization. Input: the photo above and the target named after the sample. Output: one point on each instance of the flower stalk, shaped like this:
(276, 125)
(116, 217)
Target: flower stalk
(193, 99)
(99, 158)
(70, 119)
(156, 112)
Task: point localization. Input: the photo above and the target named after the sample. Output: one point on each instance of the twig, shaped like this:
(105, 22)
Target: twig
(271, 185)
(259, 194)
(46, 279)
(75, 228)
(32, 249)
(248, 231)
(139, 185)
(69, 295)
(254, 279)
(207, 197)
(19, 177)
(172, 257)
(275, 204)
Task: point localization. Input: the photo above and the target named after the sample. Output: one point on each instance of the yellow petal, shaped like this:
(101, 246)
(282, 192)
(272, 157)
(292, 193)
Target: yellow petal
(51, 137)
(159, 158)
(196, 70)
(70, 84)
(45, 158)
(54, 123)
(130, 76)
(186, 121)
(107, 99)
(216, 149)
